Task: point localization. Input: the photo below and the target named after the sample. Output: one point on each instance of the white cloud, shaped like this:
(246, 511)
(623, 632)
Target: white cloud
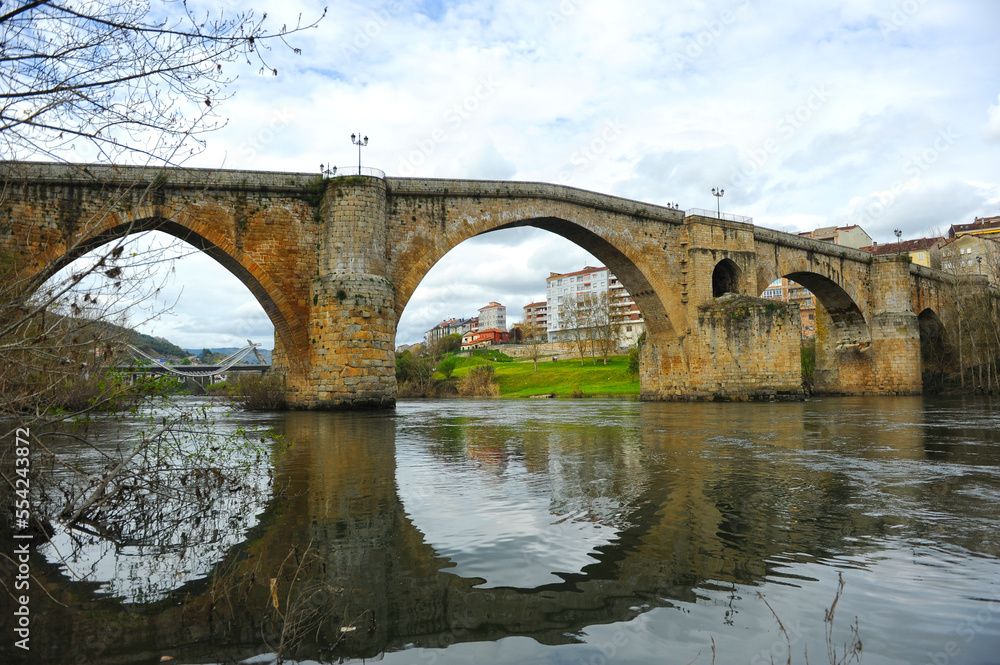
(992, 129)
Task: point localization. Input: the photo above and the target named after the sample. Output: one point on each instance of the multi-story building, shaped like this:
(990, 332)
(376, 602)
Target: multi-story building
(493, 316)
(563, 289)
(972, 254)
(981, 226)
(922, 251)
(477, 339)
(848, 236)
(536, 317)
(449, 327)
(973, 249)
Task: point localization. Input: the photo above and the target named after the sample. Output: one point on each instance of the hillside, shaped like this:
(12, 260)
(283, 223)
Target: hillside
(565, 378)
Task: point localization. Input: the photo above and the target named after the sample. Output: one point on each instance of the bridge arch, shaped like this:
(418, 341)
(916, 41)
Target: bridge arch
(203, 236)
(842, 303)
(632, 269)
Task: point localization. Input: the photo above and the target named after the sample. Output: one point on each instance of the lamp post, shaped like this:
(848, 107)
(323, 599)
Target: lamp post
(358, 141)
(979, 264)
(329, 171)
(718, 193)
(899, 245)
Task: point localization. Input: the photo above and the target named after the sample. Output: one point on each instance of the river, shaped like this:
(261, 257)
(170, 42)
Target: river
(582, 532)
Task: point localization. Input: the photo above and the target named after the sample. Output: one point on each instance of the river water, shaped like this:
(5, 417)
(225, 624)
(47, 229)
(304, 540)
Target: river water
(582, 532)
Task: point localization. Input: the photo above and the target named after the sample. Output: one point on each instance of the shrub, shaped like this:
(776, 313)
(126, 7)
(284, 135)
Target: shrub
(447, 367)
(808, 355)
(258, 392)
(479, 382)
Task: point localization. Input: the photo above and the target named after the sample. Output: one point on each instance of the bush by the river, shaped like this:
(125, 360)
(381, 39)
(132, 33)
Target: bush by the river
(479, 382)
(257, 392)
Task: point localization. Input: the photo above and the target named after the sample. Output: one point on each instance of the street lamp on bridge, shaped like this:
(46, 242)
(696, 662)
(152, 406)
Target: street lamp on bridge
(718, 193)
(359, 142)
(899, 243)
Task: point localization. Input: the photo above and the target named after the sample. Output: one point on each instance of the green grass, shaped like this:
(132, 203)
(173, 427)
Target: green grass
(565, 378)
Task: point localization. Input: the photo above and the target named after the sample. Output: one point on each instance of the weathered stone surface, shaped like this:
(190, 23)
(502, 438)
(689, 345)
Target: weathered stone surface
(334, 263)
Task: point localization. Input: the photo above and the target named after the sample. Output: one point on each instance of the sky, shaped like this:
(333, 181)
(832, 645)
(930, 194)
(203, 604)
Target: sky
(883, 113)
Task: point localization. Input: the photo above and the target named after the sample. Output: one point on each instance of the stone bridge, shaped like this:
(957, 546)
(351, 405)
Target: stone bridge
(334, 261)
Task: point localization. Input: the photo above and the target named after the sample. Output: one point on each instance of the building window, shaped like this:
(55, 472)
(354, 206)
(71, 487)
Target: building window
(920, 256)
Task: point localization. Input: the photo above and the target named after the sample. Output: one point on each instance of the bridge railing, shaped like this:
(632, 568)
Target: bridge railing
(344, 171)
(701, 212)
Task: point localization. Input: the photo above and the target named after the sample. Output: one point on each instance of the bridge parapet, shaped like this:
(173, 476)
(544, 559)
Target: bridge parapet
(506, 189)
(52, 173)
(795, 241)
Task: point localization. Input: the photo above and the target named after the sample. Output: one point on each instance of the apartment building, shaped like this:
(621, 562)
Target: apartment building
(563, 289)
(536, 315)
(493, 317)
(981, 226)
(848, 236)
(450, 327)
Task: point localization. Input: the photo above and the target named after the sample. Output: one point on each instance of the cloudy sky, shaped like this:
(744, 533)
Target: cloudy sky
(883, 113)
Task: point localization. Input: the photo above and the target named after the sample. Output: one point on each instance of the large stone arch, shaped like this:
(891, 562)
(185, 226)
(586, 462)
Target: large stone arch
(205, 237)
(424, 228)
(623, 266)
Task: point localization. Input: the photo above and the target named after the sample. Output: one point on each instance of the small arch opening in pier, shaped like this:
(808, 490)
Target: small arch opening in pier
(725, 278)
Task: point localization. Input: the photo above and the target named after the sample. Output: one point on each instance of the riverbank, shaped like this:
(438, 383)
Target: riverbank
(561, 378)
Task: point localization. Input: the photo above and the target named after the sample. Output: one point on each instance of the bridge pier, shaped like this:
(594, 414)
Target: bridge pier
(350, 359)
(882, 358)
(895, 331)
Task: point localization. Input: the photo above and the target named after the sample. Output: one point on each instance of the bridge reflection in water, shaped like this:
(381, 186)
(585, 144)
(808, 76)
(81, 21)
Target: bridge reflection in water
(622, 508)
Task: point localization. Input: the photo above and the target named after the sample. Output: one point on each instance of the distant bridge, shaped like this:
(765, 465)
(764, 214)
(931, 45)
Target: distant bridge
(191, 370)
(333, 263)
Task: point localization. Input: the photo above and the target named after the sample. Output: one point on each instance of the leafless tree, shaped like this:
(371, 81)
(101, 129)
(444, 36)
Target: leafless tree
(116, 81)
(574, 314)
(135, 81)
(534, 336)
(605, 330)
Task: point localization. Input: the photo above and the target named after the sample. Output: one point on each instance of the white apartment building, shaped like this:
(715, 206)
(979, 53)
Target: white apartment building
(563, 288)
(493, 317)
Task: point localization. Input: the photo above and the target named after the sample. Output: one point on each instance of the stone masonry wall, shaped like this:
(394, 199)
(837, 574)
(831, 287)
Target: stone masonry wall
(746, 348)
(352, 317)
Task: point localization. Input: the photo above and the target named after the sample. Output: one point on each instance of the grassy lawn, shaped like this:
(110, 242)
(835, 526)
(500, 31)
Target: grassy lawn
(564, 377)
